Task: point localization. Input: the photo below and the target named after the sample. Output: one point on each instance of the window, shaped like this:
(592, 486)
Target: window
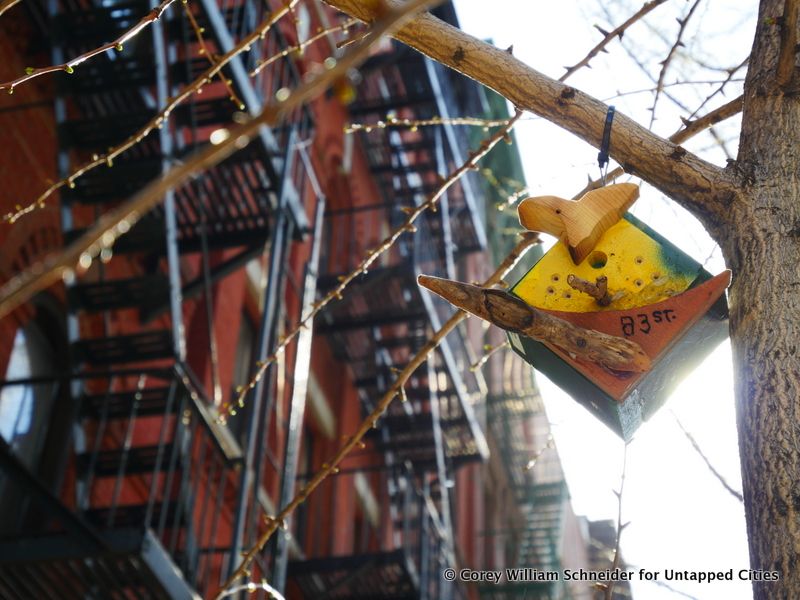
(36, 415)
(25, 409)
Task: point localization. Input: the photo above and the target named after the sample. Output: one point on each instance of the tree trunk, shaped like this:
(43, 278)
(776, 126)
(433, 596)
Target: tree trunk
(763, 250)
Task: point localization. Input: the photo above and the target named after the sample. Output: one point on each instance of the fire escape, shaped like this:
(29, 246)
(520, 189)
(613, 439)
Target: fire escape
(519, 426)
(161, 497)
(407, 538)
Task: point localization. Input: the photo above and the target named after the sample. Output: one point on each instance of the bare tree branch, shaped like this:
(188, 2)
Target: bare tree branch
(721, 87)
(721, 113)
(69, 66)
(609, 588)
(704, 189)
(204, 50)
(717, 474)
(610, 35)
(6, 4)
(666, 62)
(691, 129)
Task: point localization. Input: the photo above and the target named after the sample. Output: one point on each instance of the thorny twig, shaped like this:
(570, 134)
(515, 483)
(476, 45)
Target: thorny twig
(119, 220)
(6, 4)
(675, 100)
(715, 116)
(372, 255)
(198, 34)
(158, 120)
(693, 82)
(413, 124)
(665, 64)
(489, 352)
(736, 494)
(609, 587)
(730, 73)
(550, 443)
(610, 35)
(381, 405)
(69, 66)
(298, 48)
(726, 81)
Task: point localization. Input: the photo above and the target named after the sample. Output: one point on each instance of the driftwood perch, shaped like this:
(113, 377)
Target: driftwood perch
(578, 223)
(512, 314)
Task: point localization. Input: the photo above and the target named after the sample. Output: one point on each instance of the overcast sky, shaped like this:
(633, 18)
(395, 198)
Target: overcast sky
(680, 516)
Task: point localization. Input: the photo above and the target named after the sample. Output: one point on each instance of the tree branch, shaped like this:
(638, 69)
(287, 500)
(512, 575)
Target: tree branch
(609, 589)
(665, 64)
(68, 67)
(159, 120)
(736, 494)
(610, 35)
(690, 129)
(512, 314)
(704, 189)
(6, 4)
(715, 116)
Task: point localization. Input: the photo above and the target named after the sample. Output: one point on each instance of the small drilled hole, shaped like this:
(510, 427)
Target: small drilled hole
(567, 295)
(656, 276)
(551, 290)
(597, 259)
(555, 277)
(638, 283)
(638, 260)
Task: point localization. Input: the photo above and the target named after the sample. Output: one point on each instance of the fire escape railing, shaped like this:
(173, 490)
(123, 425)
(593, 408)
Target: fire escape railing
(172, 493)
(385, 319)
(519, 428)
(399, 543)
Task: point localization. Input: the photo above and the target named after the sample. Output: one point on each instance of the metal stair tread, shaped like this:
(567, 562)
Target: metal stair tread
(138, 459)
(131, 292)
(118, 405)
(149, 345)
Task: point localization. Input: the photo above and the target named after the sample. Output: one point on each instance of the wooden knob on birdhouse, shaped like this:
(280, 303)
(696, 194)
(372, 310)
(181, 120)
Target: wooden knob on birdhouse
(578, 223)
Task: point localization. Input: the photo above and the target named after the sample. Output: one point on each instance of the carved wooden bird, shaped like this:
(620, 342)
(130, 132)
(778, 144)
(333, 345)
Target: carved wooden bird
(578, 223)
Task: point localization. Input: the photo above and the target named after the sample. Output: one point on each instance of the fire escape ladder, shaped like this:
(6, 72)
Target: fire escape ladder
(152, 469)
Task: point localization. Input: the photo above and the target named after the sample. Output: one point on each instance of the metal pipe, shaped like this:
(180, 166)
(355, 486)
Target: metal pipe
(297, 406)
(266, 341)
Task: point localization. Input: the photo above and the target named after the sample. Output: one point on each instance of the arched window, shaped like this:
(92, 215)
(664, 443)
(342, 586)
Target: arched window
(36, 413)
(25, 409)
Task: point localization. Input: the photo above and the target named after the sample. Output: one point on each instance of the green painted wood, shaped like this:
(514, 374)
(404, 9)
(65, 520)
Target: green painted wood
(654, 389)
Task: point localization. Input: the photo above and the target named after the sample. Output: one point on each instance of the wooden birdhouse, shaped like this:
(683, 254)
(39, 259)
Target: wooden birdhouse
(619, 277)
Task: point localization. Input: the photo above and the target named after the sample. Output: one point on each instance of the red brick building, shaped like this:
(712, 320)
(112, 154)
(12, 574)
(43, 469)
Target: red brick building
(118, 477)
